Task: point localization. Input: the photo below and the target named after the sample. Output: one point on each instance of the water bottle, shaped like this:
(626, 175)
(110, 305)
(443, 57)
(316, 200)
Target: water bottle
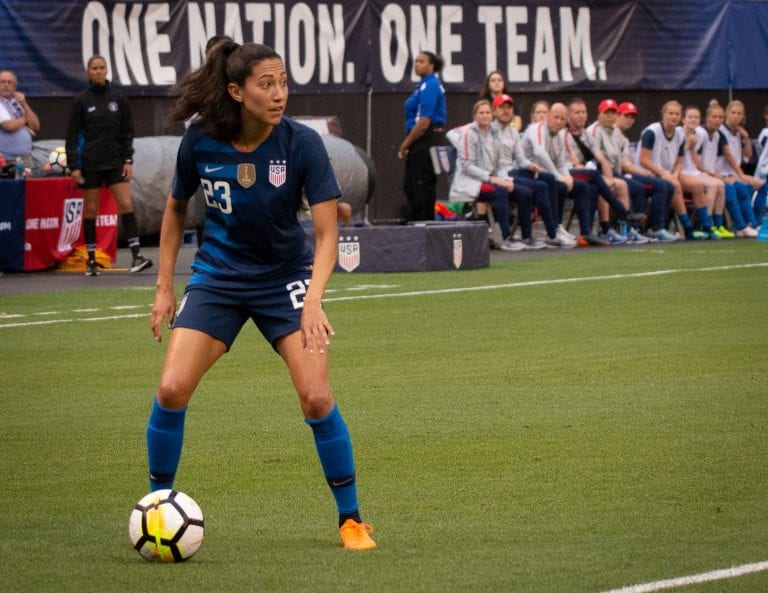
(19, 171)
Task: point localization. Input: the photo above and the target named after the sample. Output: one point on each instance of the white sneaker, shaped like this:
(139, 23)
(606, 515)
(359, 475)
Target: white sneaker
(562, 233)
(512, 245)
(562, 241)
(635, 237)
(614, 238)
(747, 232)
(534, 243)
(662, 235)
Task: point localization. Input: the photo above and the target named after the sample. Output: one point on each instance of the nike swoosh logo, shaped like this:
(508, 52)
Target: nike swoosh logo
(209, 169)
(336, 484)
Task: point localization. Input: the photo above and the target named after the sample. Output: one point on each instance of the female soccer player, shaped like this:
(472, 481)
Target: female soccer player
(661, 152)
(253, 164)
(741, 146)
(708, 192)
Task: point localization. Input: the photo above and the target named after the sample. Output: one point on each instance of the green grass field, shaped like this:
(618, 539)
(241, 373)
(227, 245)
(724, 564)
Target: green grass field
(514, 433)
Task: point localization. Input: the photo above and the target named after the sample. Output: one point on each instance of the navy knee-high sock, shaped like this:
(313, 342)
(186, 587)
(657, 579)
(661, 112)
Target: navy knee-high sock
(334, 447)
(165, 435)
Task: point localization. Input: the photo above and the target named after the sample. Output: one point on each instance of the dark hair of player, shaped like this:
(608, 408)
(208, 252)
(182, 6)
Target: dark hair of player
(204, 91)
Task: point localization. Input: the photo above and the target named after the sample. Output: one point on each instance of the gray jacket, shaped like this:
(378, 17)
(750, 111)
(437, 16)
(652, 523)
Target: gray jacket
(545, 149)
(479, 156)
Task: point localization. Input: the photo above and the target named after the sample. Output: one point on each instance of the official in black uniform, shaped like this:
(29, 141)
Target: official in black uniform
(100, 151)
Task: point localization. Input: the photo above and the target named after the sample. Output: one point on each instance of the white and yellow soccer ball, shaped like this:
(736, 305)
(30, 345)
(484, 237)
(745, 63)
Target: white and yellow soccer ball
(57, 161)
(166, 526)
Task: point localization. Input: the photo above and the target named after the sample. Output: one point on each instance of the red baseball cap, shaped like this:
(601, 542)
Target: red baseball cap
(606, 105)
(627, 108)
(501, 99)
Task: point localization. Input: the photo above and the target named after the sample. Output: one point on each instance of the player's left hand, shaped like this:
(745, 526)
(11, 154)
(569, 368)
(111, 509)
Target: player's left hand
(127, 171)
(316, 330)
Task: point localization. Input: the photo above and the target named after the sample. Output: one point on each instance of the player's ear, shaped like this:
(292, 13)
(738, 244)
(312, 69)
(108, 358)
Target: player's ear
(234, 92)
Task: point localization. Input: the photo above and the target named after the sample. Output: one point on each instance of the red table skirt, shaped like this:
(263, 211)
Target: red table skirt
(53, 223)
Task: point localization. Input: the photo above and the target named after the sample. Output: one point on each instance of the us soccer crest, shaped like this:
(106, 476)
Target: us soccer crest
(458, 250)
(246, 174)
(349, 253)
(277, 171)
(71, 218)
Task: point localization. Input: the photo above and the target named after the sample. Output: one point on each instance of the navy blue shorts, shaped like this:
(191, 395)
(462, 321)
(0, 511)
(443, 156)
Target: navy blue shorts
(97, 179)
(274, 305)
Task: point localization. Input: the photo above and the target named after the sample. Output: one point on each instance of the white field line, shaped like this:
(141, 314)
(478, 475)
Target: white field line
(88, 310)
(360, 297)
(545, 282)
(715, 575)
(52, 321)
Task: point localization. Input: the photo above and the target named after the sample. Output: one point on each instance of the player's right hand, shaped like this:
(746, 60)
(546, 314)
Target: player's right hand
(163, 310)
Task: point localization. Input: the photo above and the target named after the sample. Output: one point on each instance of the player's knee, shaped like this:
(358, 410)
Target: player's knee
(173, 395)
(316, 400)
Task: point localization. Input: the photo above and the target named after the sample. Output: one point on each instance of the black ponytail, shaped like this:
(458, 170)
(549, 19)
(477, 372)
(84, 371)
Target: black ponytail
(204, 93)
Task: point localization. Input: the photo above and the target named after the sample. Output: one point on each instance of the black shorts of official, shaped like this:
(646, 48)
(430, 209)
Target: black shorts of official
(275, 306)
(97, 179)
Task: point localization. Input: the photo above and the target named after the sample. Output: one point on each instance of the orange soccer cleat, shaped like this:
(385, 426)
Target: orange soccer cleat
(356, 536)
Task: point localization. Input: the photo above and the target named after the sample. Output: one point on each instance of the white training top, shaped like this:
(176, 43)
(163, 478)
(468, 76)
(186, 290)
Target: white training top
(761, 170)
(711, 151)
(737, 150)
(689, 167)
(664, 150)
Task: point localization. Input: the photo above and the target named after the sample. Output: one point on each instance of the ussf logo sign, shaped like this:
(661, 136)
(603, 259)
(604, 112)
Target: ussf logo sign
(458, 250)
(349, 253)
(71, 217)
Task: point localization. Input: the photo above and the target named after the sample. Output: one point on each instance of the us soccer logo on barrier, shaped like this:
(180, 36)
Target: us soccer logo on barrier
(277, 171)
(445, 161)
(71, 219)
(349, 253)
(458, 250)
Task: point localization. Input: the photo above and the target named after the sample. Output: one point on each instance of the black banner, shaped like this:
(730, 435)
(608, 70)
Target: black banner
(354, 46)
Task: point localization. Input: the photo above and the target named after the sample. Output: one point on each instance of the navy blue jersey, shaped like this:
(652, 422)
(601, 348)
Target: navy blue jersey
(251, 229)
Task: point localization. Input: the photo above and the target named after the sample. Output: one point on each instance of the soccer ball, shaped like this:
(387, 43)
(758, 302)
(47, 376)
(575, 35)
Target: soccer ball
(166, 526)
(57, 161)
